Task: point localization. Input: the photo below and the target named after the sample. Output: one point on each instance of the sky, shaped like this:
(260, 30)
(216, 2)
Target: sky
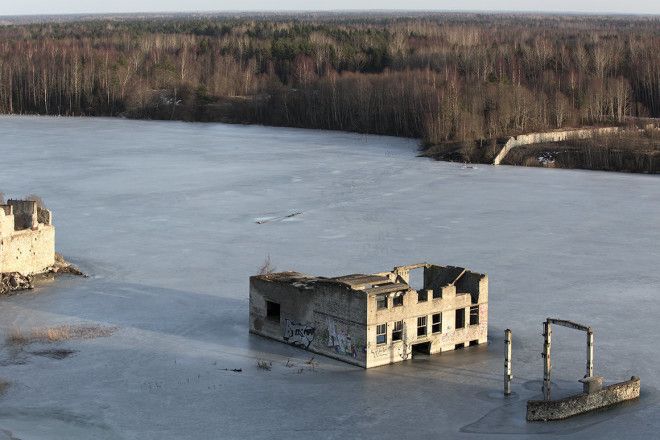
(20, 7)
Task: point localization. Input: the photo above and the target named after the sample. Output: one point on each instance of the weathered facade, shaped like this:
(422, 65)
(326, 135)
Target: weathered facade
(27, 238)
(372, 320)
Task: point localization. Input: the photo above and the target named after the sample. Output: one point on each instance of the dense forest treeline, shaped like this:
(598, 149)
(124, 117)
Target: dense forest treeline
(442, 78)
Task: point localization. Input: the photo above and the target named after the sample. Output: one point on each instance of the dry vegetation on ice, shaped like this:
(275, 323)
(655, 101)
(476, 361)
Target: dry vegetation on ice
(18, 337)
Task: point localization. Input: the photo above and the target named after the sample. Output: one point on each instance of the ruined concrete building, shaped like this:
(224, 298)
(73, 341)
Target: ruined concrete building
(372, 320)
(27, 238)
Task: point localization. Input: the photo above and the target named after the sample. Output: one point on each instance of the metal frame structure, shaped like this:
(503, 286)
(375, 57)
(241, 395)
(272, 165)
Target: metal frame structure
(547, 335)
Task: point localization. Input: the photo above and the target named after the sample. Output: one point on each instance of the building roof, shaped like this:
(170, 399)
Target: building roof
(360, 281)
(371, 284)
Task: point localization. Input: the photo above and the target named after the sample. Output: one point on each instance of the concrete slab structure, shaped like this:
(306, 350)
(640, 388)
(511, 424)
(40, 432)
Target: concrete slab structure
(593, 396)
(372, 320)
(591, 399)
(27, 238)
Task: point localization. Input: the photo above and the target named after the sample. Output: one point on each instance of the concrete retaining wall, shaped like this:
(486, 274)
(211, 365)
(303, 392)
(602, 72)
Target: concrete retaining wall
(27, 238)
(550, 136)
(544, 410)
(28, 251)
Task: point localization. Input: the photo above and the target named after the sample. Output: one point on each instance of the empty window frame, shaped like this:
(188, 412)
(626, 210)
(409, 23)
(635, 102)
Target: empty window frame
(460, 318)
(437, 293)
(381, 302)
(397, 331)
(421, 326)
(272, 310)
(436, 323)
(381, 334)
(397, 300)
(474, 315)
(422, 296)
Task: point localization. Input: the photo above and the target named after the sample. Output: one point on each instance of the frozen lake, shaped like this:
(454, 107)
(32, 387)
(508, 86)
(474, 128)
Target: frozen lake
(162, 215)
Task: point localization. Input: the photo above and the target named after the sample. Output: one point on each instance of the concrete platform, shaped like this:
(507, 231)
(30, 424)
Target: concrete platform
(545, 410)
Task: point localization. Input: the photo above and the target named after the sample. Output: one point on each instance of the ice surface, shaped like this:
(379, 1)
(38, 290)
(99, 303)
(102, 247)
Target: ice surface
(164, 215)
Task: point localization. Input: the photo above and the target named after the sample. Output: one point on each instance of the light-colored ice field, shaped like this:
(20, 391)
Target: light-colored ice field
(162, 215)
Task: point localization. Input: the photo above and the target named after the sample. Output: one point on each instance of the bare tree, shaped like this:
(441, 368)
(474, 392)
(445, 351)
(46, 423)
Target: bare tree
(267, 267)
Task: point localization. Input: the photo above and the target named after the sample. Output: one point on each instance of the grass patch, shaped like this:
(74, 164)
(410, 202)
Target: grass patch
(3, 386)
(264, 365)
(18, 337)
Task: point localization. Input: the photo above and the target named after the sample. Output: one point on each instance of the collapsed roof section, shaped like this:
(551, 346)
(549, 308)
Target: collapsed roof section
(396, 280)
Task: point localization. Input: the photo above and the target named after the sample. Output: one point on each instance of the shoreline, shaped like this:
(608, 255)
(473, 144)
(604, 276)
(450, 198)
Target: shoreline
(12, 283)
(526, 154)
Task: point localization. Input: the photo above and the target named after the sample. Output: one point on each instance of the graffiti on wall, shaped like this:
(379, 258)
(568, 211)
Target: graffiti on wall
(340, 340)
(298, 334)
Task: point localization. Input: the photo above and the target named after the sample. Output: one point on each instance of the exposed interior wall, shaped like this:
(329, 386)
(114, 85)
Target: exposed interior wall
(44, 216)
(475, 284)
(435, 277)
(25, 213)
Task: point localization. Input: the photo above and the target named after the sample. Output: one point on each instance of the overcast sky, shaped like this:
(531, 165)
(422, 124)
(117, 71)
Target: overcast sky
(16, 7)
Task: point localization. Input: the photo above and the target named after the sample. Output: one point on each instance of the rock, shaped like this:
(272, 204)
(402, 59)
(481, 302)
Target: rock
(14, 281)
(63, 266)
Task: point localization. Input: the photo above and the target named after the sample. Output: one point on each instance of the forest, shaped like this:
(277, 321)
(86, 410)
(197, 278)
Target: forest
(437, 77)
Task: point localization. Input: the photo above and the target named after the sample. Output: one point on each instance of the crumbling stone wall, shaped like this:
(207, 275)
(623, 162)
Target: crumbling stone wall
(27, 238)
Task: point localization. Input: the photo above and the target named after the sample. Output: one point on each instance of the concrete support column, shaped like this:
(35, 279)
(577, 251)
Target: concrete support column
(590, 353)
(507, 362)
(547, 365)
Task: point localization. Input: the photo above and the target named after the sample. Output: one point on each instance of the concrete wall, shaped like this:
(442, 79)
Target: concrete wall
(28, 251)
(27, 245)
(325, 318)
(25, 213)
(543, 410)
(550, 136)
(445, 340)
(476, 285)
(6, 220)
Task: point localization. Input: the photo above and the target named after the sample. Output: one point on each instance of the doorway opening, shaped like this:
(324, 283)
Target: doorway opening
(421, 350)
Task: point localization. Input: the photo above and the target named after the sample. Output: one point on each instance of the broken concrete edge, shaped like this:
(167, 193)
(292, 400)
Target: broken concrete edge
(63, 266)
(547, 410)
(14, 282)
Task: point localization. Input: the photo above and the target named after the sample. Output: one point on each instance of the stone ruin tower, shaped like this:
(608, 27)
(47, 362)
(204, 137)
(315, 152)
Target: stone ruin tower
(27, 238)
